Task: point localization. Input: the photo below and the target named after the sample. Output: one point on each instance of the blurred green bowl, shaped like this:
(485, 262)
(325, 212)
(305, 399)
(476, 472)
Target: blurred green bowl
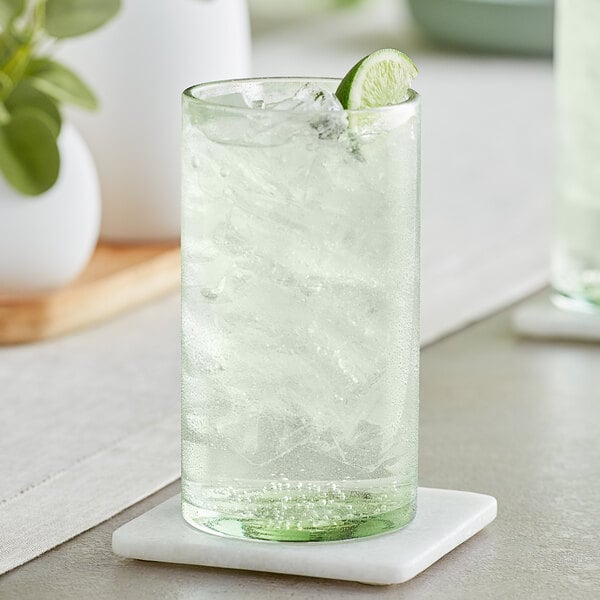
(516, 26)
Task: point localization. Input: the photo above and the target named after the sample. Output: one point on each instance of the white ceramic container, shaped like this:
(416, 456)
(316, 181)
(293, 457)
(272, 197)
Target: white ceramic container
(47, 240)
(139, 64)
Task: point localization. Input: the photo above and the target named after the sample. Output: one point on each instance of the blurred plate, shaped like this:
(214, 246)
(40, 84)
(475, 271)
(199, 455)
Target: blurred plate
(519, 26)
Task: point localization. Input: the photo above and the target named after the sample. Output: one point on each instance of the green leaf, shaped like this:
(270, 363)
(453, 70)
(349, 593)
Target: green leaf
(9, 10)
(15, 63)
(6, 84)
(60, 83)
(69, 18)
(29, 156)
(4, 114)
(26, 96)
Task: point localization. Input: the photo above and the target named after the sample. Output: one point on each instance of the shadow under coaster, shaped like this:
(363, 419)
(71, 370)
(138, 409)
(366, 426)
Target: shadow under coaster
(538, 317)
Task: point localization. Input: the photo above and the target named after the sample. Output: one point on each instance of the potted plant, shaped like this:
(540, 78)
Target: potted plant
(49, 192)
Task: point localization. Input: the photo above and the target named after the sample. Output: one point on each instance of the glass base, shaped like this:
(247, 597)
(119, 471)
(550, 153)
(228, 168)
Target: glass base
(575, 303)
(257, 529)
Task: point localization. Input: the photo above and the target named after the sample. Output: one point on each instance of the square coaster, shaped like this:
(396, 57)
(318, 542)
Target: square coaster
(444, 520)
(538, 317)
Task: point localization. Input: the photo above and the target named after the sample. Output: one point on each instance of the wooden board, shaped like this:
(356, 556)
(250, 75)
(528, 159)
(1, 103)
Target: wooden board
(118, 278)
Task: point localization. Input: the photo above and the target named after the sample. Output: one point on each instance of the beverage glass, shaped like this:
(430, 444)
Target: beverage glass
(300, 313)
(576, 256)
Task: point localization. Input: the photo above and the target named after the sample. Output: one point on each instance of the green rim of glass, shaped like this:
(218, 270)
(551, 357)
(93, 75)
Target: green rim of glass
(412, 100)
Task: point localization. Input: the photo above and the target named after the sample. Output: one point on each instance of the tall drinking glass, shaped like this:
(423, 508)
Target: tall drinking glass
(576, 259)
(300, 299)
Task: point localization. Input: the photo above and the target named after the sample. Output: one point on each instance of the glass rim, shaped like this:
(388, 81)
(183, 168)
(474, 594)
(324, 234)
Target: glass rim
(412, 99)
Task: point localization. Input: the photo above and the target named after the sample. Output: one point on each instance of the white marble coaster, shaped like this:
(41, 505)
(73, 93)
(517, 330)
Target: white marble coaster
(538, 317)
(445, 519)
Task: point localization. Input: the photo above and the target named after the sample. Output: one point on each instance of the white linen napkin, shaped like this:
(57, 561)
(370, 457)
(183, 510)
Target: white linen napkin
(89, 425)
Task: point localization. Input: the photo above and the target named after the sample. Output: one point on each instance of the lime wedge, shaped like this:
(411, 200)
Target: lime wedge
(380, 79)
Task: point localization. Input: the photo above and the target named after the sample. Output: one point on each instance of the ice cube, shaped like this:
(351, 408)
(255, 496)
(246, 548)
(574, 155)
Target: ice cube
(311, 97)
(308, 97)
(235, 100)
(261, 129)
(253, 95)
(314, 97)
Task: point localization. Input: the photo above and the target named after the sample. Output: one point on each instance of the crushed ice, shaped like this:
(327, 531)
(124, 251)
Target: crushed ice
(329, 121)
(309, 97)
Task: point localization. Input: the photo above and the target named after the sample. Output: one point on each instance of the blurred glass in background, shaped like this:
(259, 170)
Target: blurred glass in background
(576, 257)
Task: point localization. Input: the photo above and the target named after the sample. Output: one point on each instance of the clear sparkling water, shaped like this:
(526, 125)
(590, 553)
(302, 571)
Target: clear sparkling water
(576, 261)
(300, 316)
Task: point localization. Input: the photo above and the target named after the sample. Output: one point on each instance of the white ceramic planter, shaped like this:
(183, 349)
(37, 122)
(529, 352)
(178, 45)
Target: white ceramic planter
(47, 240)
(139, 64)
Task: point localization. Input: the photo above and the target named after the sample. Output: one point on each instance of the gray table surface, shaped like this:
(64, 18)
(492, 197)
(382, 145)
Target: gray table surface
(516, 419)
